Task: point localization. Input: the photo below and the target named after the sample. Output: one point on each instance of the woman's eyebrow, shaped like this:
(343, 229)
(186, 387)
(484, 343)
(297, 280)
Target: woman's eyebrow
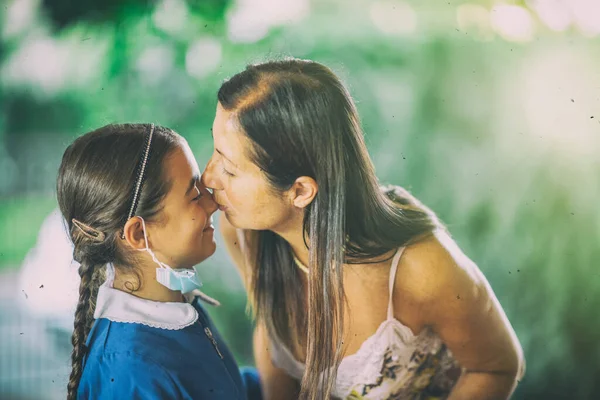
(225, 157)
(220, 152)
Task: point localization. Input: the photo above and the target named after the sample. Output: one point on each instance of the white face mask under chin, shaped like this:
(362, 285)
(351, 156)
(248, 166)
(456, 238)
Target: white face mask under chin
(181, 279)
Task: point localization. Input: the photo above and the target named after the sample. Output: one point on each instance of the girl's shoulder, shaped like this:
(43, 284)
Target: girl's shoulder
(158, 363)
(137, 340)
(128, 373)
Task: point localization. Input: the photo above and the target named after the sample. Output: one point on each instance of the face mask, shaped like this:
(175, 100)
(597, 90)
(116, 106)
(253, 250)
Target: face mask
(181, 279)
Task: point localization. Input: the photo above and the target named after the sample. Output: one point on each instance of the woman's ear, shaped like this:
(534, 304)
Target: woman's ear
(134, 233)
(303, 191)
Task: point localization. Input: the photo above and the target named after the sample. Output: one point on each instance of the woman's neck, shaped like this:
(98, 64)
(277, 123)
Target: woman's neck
(293, 233)
(142, 283)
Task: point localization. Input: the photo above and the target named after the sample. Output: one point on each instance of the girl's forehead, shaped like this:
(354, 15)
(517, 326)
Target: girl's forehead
(187, 151)
(182, 166)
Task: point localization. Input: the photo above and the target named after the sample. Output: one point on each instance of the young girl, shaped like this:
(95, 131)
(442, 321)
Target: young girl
(140, 219)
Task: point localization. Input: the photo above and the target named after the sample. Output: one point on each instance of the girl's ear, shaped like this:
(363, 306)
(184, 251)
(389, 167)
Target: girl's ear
(134, 233)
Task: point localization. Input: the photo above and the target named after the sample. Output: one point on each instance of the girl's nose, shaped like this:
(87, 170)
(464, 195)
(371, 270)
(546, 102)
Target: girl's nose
(212, 205)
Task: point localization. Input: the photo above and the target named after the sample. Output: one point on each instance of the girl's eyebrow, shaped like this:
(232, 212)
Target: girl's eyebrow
(192, 183)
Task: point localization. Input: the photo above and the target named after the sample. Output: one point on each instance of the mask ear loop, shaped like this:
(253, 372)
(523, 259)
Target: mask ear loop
(147, 249)
(196, 292)
(144, 230)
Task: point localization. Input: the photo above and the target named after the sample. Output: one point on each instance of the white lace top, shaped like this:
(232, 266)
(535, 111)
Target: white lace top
(392, 364)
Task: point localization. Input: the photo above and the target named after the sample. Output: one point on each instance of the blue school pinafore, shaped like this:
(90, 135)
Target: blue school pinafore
(142, 349)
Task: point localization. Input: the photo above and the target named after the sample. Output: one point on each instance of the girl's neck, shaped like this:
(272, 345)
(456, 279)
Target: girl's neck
(142, 283)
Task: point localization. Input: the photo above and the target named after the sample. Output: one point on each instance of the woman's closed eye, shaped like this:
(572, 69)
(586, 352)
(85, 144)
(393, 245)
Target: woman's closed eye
(222, 161)
(227, 172)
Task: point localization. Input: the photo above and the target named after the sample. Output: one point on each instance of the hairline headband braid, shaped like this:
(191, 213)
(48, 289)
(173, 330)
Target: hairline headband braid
(140, 177)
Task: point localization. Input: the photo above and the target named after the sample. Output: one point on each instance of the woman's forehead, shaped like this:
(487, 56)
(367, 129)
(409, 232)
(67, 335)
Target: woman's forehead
(225, 126)
(228, 140)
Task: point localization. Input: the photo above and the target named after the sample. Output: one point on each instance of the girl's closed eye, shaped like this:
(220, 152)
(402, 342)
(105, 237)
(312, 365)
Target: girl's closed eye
(199, 196)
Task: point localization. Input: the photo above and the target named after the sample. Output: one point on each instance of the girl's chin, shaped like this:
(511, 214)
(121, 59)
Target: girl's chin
(208, 249)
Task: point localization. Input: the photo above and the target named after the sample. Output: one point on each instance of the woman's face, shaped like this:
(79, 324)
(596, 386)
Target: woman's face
(183, 236)
(240, 188)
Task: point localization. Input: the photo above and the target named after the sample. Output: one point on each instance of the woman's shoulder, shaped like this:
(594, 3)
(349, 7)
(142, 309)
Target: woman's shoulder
(434, 270)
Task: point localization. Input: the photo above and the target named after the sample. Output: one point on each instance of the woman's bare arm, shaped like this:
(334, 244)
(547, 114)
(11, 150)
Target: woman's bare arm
(451, 295)
(276, 384)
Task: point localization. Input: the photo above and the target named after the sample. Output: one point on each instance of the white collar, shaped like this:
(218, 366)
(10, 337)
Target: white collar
(118, 306)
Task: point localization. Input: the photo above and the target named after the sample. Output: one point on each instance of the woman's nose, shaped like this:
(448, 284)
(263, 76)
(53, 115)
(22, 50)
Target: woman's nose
(209, 178)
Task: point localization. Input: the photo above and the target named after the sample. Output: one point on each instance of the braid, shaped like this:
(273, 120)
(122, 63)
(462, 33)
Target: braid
(84, 317)
(98, 277)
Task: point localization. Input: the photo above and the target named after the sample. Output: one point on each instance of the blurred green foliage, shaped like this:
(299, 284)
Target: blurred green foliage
(21, 218)
(445, 114)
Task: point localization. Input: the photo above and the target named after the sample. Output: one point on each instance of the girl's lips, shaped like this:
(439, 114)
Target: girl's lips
(210, 226)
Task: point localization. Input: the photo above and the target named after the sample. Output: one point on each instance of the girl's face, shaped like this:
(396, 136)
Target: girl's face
(240, 188)
(184, 235)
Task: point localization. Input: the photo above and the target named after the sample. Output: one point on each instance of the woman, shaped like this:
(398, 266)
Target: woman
(133, 201)
(358, 290)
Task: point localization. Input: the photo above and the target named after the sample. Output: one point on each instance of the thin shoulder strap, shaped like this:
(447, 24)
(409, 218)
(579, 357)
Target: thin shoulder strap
(393, 269)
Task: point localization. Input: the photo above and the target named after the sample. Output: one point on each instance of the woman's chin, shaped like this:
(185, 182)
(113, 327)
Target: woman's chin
(231, 220)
